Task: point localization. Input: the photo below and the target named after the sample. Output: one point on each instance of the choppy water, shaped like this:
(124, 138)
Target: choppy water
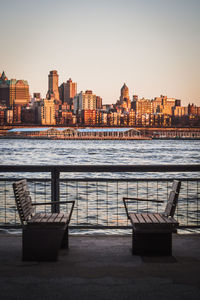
(99, 152)
(101, 203)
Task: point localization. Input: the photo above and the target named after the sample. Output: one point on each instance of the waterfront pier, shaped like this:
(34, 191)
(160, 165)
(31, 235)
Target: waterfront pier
(100, 133)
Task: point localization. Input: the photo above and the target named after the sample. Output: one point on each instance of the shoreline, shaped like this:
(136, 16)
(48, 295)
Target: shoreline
(73, 138)
(97, 138)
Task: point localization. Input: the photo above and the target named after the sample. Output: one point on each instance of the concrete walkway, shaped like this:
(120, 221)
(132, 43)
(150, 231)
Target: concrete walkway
(101, 267)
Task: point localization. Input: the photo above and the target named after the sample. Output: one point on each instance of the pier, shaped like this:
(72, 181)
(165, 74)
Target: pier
(100, 133)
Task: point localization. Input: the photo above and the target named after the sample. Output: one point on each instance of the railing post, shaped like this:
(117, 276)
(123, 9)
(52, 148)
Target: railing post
(55, 190)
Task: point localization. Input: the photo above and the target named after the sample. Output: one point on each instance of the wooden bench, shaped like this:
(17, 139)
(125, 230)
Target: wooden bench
(152, 232)
(43, 234)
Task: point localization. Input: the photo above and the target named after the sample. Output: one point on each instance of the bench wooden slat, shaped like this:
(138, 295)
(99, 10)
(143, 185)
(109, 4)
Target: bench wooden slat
(34, 218)
(25, 211)
(42, 218)
(59, 217)
(140, 218)
(173, 199)
(45, 218)
(25, 203)
(164, 219)
(146, 217)
(175, 185)
(38, 218)
(153, 218)
(133, 219)
(64, 218)
(52, 217)
(159, 218)
(169, 220)
(170, 202)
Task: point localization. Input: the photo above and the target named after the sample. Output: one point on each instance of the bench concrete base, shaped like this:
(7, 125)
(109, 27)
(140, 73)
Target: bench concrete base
(43, 244)
(152, 243)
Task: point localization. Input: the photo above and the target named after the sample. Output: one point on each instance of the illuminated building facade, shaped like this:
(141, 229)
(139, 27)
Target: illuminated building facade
(46, 112)
(68, 91)
(53, 92)
(85, 101)
(13, 92)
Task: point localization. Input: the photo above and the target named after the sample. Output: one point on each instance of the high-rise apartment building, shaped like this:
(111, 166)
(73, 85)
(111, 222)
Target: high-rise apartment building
(143, 106)
(85, 101)
(13, 92)
(53, 92)
(68, 91)
(71, 90)
(46, 112)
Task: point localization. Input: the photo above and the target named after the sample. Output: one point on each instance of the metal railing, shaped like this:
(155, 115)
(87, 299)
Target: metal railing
(98, 191)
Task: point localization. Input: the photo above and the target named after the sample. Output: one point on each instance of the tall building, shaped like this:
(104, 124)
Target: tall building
(13, 92)
(85, 101)
(125, 101)
(46, 112)
(71, 90)
(124, 93)
(53, 92)
(68, 91)
(99, 102)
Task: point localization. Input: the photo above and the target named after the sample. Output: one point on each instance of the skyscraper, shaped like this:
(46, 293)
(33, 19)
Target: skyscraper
(68, 91)
(13, 92)
(71, 90)
(53, 92)
(124, 97)
(124, 93)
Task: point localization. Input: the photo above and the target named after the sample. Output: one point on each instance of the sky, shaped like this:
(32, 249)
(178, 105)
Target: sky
(151, 45)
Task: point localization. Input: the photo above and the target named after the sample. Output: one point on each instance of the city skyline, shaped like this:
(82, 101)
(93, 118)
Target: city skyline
(153, 46)
(55, 94)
